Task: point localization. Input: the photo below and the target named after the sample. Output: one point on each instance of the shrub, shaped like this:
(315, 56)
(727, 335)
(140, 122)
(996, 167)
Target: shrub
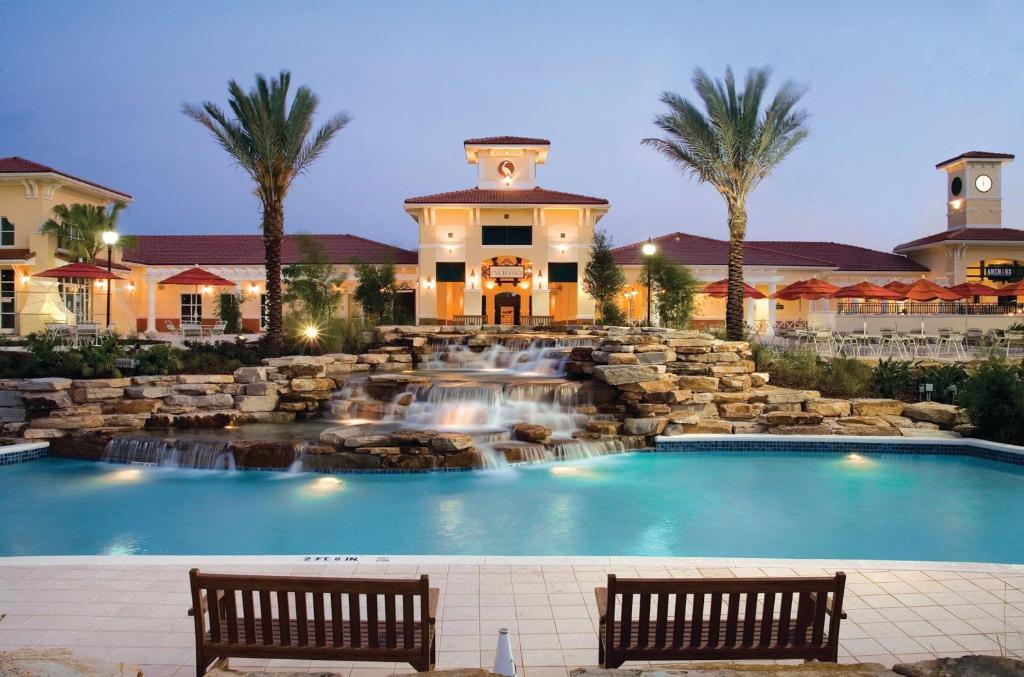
(222, 357)
(796, 369)
(846, 377)
(229, 311)
(159, 359)
(893, 378)
(993, 398)
(947, 379)
(337, 335)
(97, 361)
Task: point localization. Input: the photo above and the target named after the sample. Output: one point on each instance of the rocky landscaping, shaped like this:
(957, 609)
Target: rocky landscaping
(627, 387)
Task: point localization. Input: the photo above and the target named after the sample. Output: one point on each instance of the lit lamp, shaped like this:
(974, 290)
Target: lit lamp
(540, 280)
(648, 250)
(472, 278)
(110, 239)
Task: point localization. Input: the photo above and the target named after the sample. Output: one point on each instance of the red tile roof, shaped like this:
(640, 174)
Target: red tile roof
(844, 256)
(247, 250)
(696, 250)
(975, 155)
(966, 234)
(507, 141)
(7, 254)
(19, 165)
(535, 196)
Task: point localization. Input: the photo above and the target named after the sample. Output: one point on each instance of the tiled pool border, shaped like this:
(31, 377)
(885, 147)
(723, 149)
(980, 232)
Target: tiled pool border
(838, 444)
(22, 453)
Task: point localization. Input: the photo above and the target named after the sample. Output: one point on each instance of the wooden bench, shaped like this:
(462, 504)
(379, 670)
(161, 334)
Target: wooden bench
(719, 618)
(338, 619)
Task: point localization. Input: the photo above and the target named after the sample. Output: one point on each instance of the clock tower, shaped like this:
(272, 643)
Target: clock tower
(974, 189)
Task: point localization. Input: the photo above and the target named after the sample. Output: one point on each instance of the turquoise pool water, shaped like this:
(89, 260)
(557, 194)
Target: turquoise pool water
(688, 504)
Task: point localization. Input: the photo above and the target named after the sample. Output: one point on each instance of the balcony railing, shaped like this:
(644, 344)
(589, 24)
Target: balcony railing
(928, 308)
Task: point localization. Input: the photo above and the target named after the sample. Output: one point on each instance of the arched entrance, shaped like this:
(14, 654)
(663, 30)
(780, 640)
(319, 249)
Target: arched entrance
(507, 308)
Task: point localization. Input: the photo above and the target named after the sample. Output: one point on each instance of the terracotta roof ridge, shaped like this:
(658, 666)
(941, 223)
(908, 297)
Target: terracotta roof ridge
(39, 168)
(830, 264)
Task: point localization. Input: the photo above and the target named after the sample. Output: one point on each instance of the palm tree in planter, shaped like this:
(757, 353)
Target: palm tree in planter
(272, 142)
(732, 144)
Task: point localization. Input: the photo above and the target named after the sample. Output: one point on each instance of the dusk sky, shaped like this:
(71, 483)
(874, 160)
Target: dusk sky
(95, 89)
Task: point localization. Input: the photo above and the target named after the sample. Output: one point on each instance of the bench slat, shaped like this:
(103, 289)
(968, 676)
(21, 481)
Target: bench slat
(732, 619)
(662, 621)
(715, 619)
(372, 637)
(785, 615)
(337, 637)
(284, 615)
(767, 615)
(626, 622)
(408, 616)
(749, 619)
(301, 619)
(231, 614)
(355, 627)
(680, 612)
(266, 617)
(644, 621)
(319, 621)
(697, 621)
(213, 604)
(248, 617)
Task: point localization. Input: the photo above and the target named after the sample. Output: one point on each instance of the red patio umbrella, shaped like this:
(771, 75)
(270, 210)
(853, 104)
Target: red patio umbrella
(720, 289)
(812, 290)
(79, 271)
(897, 286)
(197, 277)
(1012, 289)
(866, 290)
(968, 289)
(926, 290)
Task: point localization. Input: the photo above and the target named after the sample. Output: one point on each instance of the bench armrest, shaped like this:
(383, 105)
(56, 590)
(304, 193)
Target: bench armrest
(432, 603)
(828, 605)
(602, 602)
(203, 602)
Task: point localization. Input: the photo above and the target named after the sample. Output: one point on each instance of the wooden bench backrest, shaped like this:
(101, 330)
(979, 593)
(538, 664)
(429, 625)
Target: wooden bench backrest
(337, 607)
(723, 615)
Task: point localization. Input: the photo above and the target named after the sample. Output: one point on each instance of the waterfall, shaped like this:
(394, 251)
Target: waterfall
(210, 454)
(578, 450)
(511, 354)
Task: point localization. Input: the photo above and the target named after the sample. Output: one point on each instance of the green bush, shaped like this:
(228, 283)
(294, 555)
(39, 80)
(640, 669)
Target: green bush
(222, 357)
(993, 398)
(946, 380)
(894, 378)
(160, 359)
(229, 311)
(846, 377)
(337, 335)
(796, 369)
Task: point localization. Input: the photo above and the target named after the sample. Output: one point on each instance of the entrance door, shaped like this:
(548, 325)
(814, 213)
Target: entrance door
(7, 322)
(506, 308)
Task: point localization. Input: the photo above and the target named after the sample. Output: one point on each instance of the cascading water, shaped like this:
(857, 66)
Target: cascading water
(510, 354)
(209, 454)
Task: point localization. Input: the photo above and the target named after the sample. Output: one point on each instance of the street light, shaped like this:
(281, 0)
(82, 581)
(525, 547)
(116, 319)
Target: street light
(110, 239)
(648, 249)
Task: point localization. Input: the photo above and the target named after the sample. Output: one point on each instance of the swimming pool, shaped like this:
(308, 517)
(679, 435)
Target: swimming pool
(788, 505)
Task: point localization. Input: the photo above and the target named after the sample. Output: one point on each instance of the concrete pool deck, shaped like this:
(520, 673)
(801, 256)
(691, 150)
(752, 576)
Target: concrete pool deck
(133, 609)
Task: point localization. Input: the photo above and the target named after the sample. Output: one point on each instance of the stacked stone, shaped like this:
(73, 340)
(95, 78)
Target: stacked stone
(370, 448)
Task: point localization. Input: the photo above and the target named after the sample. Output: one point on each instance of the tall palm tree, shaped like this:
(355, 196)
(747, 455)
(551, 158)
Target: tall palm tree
(271, 141)
(79, 229)
(732, 145)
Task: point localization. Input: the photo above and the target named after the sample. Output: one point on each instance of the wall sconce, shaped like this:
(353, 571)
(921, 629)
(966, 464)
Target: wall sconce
(472, 278)
(562, 249)
(207, 290)
(956, 204)
(130, 286)
(101, 284)
(25, 279)
(428, 283)
(451, 250)
(489, 284)
(540, 279)
(254, 289)
(524, 285)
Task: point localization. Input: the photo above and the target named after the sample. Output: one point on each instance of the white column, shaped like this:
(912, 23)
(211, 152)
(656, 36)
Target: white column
(771, 308)
(150, 305)
(751, 319)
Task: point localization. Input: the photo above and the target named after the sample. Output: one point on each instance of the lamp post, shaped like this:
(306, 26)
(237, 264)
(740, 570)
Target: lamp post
(109, 239)
(648, 249)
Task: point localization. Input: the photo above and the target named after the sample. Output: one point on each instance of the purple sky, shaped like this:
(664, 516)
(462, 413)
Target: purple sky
(95, 89)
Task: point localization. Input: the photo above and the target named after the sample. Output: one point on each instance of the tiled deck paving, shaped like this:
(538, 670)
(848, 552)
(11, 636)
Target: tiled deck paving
(136, 612)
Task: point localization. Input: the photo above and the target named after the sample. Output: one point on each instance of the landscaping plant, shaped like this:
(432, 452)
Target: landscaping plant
(229, 311)
(946, 379)
(604, 279)
(993, 398)
(273, 142)
(377, 291)
(674, 289)
(313, 288)
(894, 378)
(732, 144)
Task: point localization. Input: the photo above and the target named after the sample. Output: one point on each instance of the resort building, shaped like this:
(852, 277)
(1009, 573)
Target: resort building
(504, 251)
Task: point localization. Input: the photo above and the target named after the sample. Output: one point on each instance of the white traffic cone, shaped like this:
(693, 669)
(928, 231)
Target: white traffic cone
(504, 662)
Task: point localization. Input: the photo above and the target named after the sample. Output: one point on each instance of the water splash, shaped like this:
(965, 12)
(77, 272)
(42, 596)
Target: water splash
(508, 354)
(208, 454)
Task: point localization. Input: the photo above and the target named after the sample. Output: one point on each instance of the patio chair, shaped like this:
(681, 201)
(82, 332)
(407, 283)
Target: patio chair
(217, 330)
(822, 338)
(191, 331)
(954, 342)
(88, 333)
(890, 339)
(974, 337)
(170, 328)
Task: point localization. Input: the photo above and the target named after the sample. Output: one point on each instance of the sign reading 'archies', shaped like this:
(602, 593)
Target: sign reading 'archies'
(1004, 272)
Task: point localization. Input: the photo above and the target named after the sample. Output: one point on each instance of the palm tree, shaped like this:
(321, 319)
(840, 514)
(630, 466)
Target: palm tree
(732, 145)
(271, 142)
(79, 229)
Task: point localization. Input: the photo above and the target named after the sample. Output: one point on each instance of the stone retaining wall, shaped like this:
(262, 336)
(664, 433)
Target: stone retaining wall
(94, 410)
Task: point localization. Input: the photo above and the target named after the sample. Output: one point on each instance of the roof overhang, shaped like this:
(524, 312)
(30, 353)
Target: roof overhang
(473, 150)
(55, 181)
(941, 243)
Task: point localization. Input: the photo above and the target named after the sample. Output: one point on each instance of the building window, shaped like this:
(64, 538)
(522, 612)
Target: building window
(191, 307)
(7, 299)
(507, 235)
(451, 271)
(6, 232)
(77, 296)
(563, 272)
(264, 320)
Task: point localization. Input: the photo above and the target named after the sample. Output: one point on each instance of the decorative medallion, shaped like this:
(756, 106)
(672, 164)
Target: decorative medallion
(506, 168)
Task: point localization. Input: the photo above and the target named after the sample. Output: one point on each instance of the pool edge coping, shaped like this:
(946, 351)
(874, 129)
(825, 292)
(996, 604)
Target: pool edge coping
(973, 442)
(505, 560)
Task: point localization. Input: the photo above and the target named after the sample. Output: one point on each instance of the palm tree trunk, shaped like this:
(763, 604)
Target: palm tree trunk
(734, 302)
(273, 234)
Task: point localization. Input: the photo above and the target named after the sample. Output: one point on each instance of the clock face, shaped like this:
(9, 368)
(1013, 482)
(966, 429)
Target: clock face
(956, 186)
(983, 183)
(506, 168)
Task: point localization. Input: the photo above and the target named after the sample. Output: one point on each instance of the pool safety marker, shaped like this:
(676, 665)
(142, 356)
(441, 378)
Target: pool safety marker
(381, 559)
(504, 662)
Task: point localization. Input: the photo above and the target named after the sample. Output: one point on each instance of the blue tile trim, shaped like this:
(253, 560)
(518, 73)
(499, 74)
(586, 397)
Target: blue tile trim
(839, 446)
(12, 457)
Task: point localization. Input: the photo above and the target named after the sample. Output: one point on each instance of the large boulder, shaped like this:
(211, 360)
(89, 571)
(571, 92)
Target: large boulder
(35, 662)
(625, 373)
(447, 443)
(698, 384)
(791, 418)
(531, 432)
(644, 426)
(827, 407)
(964, 666)
(870, 406)
(45, 384)
(945, 415)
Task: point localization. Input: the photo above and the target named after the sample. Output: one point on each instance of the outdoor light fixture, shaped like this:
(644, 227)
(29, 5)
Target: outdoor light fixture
(109, 238)
(540, 279)
(254, 289)
(956, 204)
(524, 284)
(472, 278)
(310, 332)
(562, 249)
(207, 290)
(130, 286)
(489, 284)
(648, 249)
(25, 279)
(428, 283)
(925, 391)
